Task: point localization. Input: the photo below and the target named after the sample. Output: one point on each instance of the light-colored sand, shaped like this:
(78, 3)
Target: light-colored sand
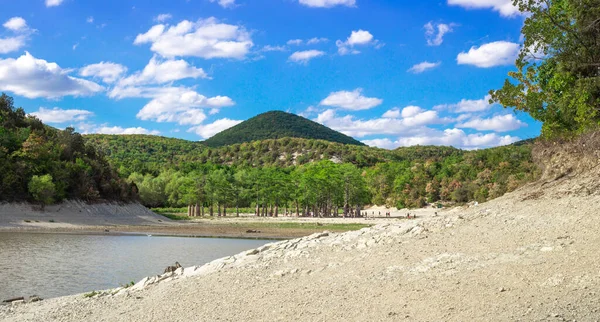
(531, 255)
(76, 214)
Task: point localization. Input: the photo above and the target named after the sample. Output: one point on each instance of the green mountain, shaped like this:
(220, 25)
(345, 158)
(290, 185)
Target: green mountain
(277, 125)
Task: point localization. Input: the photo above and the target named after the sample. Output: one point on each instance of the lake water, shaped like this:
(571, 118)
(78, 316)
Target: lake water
(51, 265)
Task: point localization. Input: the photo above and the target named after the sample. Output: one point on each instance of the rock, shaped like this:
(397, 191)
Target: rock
(502, 289)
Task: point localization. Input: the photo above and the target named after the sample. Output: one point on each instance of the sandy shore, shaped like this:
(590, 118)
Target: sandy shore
(114, 219)
(531, 255)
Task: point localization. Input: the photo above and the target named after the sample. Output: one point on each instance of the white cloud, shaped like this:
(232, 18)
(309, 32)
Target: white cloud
(295, 42)
(33, 78)
(209, 130)
(504, 7)
(206, 38)
(107, 71)
(172, 104)
(357, 38)
(89, 19)
(57, 115)
(303, 57)
(163, 17)
(16, 24)
(159, 72)
(392, 114)
(225, 3)
(11, 44)
(467, 106)
(328, 3)
(411, 111)
(120, 130)
(499, 123)
(449, 137)
(421, 67)
(314, 41)
(360, 128)
(353, 100)
(53, 3)
(268, 48)
(22, 32)
(434, 39)
(499, 53)
(458, 138)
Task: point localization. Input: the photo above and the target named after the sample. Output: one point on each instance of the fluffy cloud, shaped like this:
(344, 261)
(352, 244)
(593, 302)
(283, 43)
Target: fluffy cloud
(172, 104)
(33, 78)
(467, 106)
(499, 123)
(392, 114)
(433, 38)
(357, 38)
(57, 115)
(504, 7)
(119, 130)
(295, 42)
(328, 3)
(303, 57)
(206, 38)
(160, 72)
(499, 53)
(53, 3)
(449, 137)
(107, 71)
(360, 128)
(353, 100)
(421, 67)
(21, 31)
(16, 24)
(209, 130)
(411, 111)
(89, 19)
(162, 17)
(225, 3)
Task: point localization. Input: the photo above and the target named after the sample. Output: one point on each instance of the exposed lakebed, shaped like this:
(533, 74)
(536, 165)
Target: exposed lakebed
(51, 265)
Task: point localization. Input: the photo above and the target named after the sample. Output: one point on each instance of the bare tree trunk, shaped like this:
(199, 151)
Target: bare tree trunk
(357, 210)
(264, 210)
(219, 209)
(189, 213)
(224, 210)
(212, 210)
(257, 210)
(237, 210)
(297, 210)
(197, 210)
(276, 210)
(202, 209)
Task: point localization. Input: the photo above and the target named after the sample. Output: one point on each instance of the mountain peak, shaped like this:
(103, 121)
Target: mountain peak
(277, 125)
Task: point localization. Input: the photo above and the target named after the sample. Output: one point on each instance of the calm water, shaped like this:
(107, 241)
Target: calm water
(51, 265)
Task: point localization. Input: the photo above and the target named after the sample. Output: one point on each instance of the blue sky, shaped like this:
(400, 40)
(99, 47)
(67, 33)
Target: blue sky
(387, 72)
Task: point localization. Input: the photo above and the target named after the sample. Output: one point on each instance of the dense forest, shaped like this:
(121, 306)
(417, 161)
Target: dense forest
(277, 125)
(46, 165)
(406, 177)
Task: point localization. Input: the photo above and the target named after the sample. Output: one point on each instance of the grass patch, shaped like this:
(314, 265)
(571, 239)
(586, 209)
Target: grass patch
(128, 285)
(91, 294)
(51, 220)
(27, 220)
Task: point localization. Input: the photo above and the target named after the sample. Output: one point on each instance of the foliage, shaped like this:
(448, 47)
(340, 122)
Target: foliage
(42, 163)
(557, 81)
(276, 125)
(42, 189)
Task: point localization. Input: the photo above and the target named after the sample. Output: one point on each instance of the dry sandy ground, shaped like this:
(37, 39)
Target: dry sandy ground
(531, 255)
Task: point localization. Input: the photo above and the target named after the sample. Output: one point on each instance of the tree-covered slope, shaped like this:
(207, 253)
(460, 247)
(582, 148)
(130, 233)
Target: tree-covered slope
(276, 125)
(43, 164)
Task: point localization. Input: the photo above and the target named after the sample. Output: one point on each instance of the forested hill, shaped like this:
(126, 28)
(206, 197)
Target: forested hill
(277, 125)
(40, 163)
(147, 153)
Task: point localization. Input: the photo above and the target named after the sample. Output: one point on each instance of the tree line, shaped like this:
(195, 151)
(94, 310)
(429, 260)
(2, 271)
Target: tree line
(325, 187)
